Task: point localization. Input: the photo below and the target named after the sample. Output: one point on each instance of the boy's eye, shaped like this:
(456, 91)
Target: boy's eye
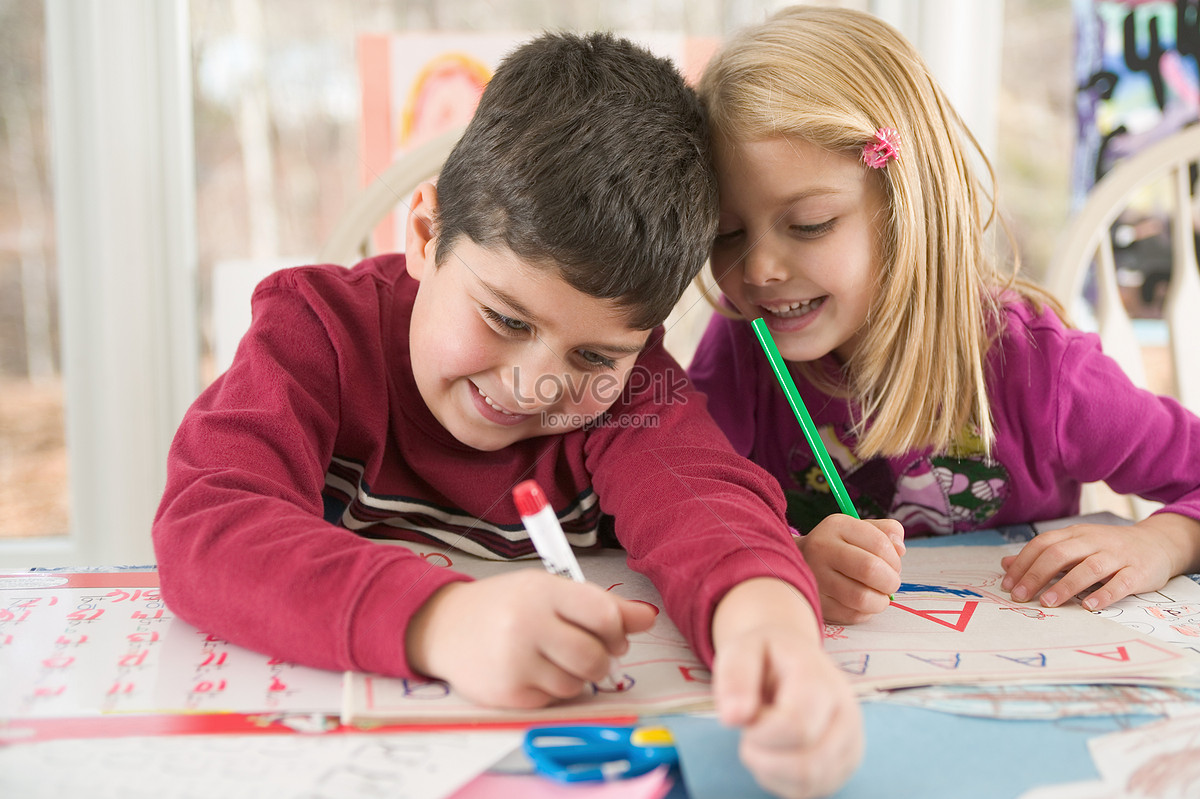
(596, 359)
(506, 322)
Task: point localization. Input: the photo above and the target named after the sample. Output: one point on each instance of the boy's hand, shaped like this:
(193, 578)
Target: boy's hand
(524, 639)
(801, 726)
(856, 563)
(1126, 560)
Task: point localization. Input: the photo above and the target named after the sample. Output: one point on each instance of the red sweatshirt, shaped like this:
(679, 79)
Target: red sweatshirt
(316, 440)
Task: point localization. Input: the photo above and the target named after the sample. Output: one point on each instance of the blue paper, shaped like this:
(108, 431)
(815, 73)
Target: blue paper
(914, 752)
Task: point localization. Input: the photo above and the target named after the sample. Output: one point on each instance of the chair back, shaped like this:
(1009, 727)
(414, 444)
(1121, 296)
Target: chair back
(350, 240)
(1166, 168)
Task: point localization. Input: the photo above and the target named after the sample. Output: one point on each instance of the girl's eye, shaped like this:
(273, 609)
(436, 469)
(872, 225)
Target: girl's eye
(813, 231)
(596, 359)
(727, 237)
(507, 323)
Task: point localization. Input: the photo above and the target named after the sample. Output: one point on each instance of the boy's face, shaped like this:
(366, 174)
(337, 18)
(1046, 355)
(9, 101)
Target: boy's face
(503, 351)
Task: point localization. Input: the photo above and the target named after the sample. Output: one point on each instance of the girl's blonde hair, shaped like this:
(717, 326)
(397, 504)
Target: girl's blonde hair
(834, 77)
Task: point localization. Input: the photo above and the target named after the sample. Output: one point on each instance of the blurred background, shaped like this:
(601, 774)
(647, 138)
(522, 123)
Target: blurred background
(158, 156)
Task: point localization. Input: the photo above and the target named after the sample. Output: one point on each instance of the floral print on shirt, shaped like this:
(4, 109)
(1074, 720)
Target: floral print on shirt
(955, 492)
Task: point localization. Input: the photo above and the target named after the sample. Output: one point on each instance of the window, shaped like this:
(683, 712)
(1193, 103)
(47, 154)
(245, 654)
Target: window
(191, 140)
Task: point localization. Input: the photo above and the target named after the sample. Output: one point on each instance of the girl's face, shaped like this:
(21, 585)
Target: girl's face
(797, 242)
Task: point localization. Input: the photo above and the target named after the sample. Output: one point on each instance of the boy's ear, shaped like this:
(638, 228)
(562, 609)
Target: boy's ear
(420, 239)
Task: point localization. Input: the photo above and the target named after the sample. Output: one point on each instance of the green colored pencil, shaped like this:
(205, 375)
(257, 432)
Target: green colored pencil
(806, 423)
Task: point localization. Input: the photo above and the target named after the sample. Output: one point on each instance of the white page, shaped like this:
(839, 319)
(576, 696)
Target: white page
(352, 766)
(951, 623)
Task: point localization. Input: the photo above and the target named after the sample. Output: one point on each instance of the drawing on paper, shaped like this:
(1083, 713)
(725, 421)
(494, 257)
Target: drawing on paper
(659, 673)
(950, 623)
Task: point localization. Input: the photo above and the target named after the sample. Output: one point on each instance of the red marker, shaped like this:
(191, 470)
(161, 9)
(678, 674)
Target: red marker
(545, 531)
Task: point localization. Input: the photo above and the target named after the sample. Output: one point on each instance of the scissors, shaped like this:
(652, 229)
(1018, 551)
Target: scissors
(582, 753)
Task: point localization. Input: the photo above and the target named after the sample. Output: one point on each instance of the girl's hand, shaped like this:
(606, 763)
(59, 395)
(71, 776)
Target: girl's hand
(1125, 560)
(524, 639)
(801, 726)
(856, 563)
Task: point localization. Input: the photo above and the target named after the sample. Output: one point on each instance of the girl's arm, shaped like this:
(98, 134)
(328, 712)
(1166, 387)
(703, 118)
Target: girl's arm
(1104, 428)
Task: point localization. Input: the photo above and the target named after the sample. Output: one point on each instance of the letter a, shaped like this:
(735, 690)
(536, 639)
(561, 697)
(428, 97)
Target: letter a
(964, 615)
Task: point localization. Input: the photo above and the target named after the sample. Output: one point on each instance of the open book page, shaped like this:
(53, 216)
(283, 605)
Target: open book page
(659, 673)
(951, 623)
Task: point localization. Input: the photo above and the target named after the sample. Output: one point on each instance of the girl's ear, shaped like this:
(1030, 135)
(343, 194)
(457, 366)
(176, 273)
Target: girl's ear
(421, 240)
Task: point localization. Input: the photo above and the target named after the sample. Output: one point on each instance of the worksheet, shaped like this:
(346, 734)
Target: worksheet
(951, 623)
(349, 766)
(658, 674)
(1170, 614)
(91, 643)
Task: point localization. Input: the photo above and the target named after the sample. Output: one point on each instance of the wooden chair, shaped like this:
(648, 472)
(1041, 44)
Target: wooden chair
(350, 240)
(1163, 171)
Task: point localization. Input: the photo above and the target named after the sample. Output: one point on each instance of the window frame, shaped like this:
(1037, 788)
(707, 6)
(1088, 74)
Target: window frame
(119, 96)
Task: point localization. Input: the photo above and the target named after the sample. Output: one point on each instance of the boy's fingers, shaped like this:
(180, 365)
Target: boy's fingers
(809, 758)
(549, 678)
(637, 616)
(578, 653)
(738, 685)
(595, 611)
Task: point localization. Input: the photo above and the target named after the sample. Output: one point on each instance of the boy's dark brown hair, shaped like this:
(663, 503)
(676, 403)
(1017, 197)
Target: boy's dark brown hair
(591, 155)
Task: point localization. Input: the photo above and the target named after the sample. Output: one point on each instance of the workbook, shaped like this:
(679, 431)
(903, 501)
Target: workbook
(948, 624)
(951, 623)
(658, 674)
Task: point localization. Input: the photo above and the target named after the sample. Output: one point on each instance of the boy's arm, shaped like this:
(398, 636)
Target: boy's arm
(695, 517)
(801, 726)
(242, 546)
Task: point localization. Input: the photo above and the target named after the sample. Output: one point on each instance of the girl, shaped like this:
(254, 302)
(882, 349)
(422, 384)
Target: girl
(952, 397)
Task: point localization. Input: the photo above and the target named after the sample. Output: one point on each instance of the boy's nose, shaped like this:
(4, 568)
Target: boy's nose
(537, 380)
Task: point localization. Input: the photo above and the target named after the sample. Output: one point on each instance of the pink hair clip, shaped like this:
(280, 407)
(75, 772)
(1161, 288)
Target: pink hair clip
(882, 148)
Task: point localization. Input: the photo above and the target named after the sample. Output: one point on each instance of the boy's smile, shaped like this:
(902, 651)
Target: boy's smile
(797, 242)
(503, 351)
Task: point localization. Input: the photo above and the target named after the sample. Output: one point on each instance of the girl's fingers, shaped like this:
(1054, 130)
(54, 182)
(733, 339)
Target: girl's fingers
(848, 601)
(1034, 567)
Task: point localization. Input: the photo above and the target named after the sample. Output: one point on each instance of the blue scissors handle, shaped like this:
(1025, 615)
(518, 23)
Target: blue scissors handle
(596, 752)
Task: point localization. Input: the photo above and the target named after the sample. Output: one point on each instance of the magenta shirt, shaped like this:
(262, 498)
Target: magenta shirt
(1064, 413)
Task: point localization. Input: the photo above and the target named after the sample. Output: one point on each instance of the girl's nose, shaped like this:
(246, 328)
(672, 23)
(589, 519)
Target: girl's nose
(761, 265)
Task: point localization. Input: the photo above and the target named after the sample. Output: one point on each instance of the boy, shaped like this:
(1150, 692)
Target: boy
(405, 397)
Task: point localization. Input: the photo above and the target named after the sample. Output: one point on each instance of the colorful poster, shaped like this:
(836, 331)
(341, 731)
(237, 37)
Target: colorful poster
(419, 84)
(1136, 78)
